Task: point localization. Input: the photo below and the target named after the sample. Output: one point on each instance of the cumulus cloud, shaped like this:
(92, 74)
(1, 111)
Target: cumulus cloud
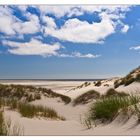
(60, 11)
(73, 30)
(79, 55)
(6, 20)
(29, 27)
(16, 26)
(33, 47)
(49, 22)
(135, 48)
(11, 25)
(125, 29)
(78, 31)
(36, 47)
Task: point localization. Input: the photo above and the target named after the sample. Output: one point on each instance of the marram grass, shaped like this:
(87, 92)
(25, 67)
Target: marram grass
(107, 109)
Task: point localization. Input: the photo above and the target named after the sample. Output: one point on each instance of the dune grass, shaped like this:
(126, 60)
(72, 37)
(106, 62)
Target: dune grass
(51, 94)
(9, 129)
(86, 97)
(29, 93)
(107, 109)
(113, 92)
(133, 76)
(98, 83)
(3, 129)
(30, 111)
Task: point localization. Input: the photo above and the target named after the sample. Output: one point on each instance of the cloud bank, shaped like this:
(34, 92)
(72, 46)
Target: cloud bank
(46, 23)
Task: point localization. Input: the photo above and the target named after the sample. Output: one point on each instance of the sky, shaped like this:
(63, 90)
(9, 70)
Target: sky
(68, 42)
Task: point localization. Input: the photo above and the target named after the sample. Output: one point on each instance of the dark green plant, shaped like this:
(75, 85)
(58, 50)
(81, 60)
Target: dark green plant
(98, 83)
(113, 92)
(30, 111)
(107, 109)
(86, 97)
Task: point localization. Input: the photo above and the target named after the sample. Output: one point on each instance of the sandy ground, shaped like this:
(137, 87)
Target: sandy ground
(72, 126)
(74, 115)
(133, 88)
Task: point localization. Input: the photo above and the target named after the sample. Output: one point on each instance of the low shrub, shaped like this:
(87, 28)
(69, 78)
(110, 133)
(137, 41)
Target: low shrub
(138, 78)
(13, 103)
(133, 76)
(98, 83)
(51, 94)
(86, 97)
(113, 92)
(37, 96)
(29, 93)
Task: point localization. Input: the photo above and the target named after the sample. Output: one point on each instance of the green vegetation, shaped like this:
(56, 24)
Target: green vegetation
(133, 76)
(29, 93)
(51, 94)
(137, 112)
(86, 97)
(138, 77)
(8, 129)
(107, 109)
(3, 129)
(113, 92)
(98, 83)
(85, 84)
(30, 111)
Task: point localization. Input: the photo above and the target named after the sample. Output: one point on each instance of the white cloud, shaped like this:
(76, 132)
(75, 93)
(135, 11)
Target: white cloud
(29, 27)
(79, 55)
(6, 25)
(23, 8)
(135, 48)
(49, 21)
(60, 11)
(125, 29)
(11, 25)
(73, 30)
(34, 47)
(6, 21)
(16, 26)
(78, 31)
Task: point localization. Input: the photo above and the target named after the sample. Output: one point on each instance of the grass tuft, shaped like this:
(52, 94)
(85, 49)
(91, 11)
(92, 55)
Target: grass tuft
(30, 111)
(29, 93)
(7, 129)
(107, 109)
(113, 92)
(86, 97)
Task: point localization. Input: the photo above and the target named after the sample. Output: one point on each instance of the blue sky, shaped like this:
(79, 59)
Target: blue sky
(68, 41)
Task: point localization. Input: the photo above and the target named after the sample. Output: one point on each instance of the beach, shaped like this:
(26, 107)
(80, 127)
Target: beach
(74, 115)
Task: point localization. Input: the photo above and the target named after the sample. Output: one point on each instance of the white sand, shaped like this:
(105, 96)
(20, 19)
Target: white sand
(72, 125)
(133, 88)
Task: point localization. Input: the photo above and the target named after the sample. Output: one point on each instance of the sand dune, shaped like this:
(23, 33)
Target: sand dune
(74, 114)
